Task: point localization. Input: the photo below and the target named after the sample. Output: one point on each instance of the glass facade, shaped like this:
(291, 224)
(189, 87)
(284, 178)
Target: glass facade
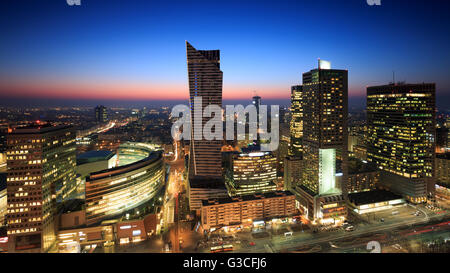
(205, 81)
(327, 171)
(253, 173)
(401, 136)
(41, 170)
(296, 126)
(112, 192)
(324, 96)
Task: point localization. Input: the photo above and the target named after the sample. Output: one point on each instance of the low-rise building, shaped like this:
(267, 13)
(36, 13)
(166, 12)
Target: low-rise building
(75, 235)
(373, 201)
(246, 209)
(133, 231)
(94, 161)
(74, 240)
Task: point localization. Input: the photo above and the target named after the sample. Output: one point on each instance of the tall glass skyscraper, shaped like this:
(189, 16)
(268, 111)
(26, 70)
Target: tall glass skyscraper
(41, 169)
(205, 156)
(205, 81)
(401, 137)
(101, 114)
(324, 101)
(296, 126)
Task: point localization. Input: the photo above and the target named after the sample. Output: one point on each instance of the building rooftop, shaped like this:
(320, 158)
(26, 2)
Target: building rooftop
(370, 197)
(249, 197)
(209, 183)
(154, 156)
(251, 148)
(38, 128)
(93, 156)
(72, 205)
(401, 88)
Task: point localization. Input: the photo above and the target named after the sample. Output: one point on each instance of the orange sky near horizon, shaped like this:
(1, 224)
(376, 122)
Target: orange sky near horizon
(129, 90)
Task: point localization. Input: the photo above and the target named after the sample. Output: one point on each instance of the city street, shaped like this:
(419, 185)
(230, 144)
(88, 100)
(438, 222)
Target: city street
(172, 206)
(369, 228)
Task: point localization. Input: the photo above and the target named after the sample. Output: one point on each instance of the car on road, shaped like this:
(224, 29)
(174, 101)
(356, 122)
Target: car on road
(333, 245)
(167, 248)
(397, 246)
(382, 220)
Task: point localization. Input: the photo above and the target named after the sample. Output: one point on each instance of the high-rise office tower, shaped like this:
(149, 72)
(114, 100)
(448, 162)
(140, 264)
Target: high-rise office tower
(324, 99)
(41, 163)
(253, 172)
(101, 114)
(205, 156)
(296, 126)
(293, 162)
(256, 100)
(205, 81)
(401, 137)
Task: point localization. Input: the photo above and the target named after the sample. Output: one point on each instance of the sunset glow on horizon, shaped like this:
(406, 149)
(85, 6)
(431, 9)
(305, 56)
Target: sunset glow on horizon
(137, 52)
(131, 91)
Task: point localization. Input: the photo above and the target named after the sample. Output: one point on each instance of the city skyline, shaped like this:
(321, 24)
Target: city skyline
(266, 48)
(115, 139)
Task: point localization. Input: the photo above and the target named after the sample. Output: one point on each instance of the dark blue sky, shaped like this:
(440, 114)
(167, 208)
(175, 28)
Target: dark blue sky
(136, 49)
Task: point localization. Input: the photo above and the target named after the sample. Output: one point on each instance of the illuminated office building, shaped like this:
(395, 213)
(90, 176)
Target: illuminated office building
(324, 99)
(253, 172)
(41, 169)
(205, 157)
(205, 81)
(139, 178)
(401, 136)
(293, 163)
(296, 126)
(101, 114)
